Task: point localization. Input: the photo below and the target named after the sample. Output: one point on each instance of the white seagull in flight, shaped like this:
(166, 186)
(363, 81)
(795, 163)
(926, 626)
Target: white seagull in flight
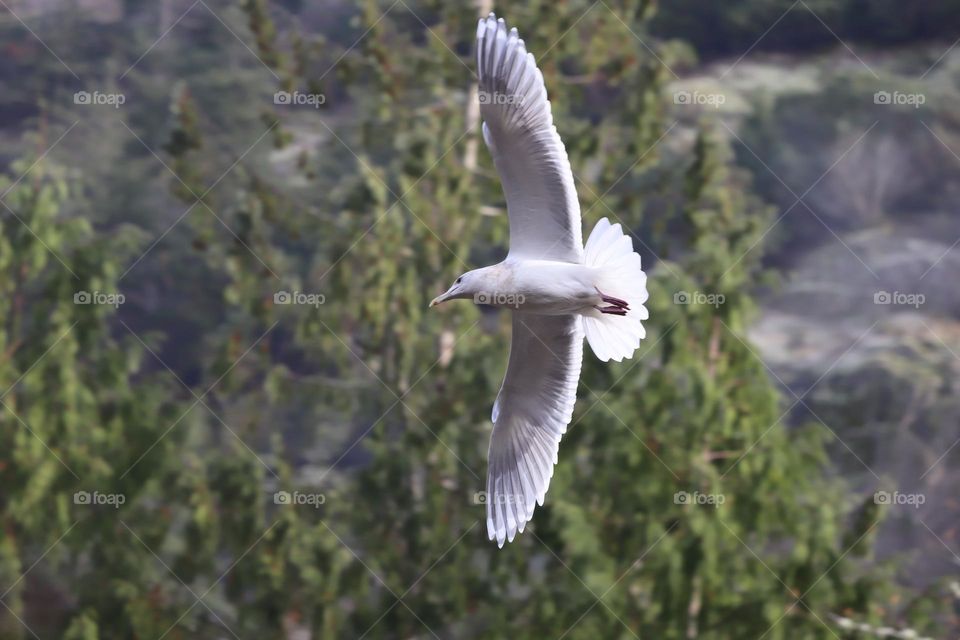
(558, 289)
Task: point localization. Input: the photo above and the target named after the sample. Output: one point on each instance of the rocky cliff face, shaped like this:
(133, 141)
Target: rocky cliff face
(105, 11)
(864, 335)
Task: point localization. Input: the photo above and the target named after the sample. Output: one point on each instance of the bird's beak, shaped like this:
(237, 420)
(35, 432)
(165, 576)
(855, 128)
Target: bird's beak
(449, 294)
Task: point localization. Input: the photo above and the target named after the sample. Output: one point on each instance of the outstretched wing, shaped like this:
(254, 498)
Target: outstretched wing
(527, 150)
(531, 413)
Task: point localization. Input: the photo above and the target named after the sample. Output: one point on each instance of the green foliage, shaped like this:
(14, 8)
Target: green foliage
(381, 406)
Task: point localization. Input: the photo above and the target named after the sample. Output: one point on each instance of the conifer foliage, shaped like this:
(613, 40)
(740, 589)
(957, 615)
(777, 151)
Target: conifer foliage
(312, 466)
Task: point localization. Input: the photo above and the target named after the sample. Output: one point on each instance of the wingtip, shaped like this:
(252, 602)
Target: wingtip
(483, 25)
(496, 533)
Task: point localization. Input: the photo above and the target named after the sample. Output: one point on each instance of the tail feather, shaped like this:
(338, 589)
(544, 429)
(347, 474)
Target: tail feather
(619, 275)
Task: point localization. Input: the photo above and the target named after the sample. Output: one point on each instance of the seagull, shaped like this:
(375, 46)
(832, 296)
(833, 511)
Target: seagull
(558, 290)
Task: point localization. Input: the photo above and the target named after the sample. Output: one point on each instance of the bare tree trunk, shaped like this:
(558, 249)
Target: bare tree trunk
(166, 15)
(473, 107)
(693, 610)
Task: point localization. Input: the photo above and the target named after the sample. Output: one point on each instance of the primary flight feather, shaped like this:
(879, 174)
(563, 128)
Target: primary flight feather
(559, 291)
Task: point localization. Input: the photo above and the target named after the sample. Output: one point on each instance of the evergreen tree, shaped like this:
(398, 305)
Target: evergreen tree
(683, 506)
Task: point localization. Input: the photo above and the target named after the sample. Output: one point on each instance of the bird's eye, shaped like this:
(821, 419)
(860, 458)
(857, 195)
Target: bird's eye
(459, 280)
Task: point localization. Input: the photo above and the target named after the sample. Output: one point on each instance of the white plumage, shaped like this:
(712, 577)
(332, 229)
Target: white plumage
(526, 148)
(558, 290)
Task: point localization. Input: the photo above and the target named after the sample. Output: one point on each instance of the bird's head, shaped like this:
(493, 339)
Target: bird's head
(464, 287)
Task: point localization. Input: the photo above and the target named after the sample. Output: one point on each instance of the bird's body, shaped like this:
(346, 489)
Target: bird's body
(559, 290)
(548, 287)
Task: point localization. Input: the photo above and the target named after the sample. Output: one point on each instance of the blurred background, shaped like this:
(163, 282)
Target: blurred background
(226, 411)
